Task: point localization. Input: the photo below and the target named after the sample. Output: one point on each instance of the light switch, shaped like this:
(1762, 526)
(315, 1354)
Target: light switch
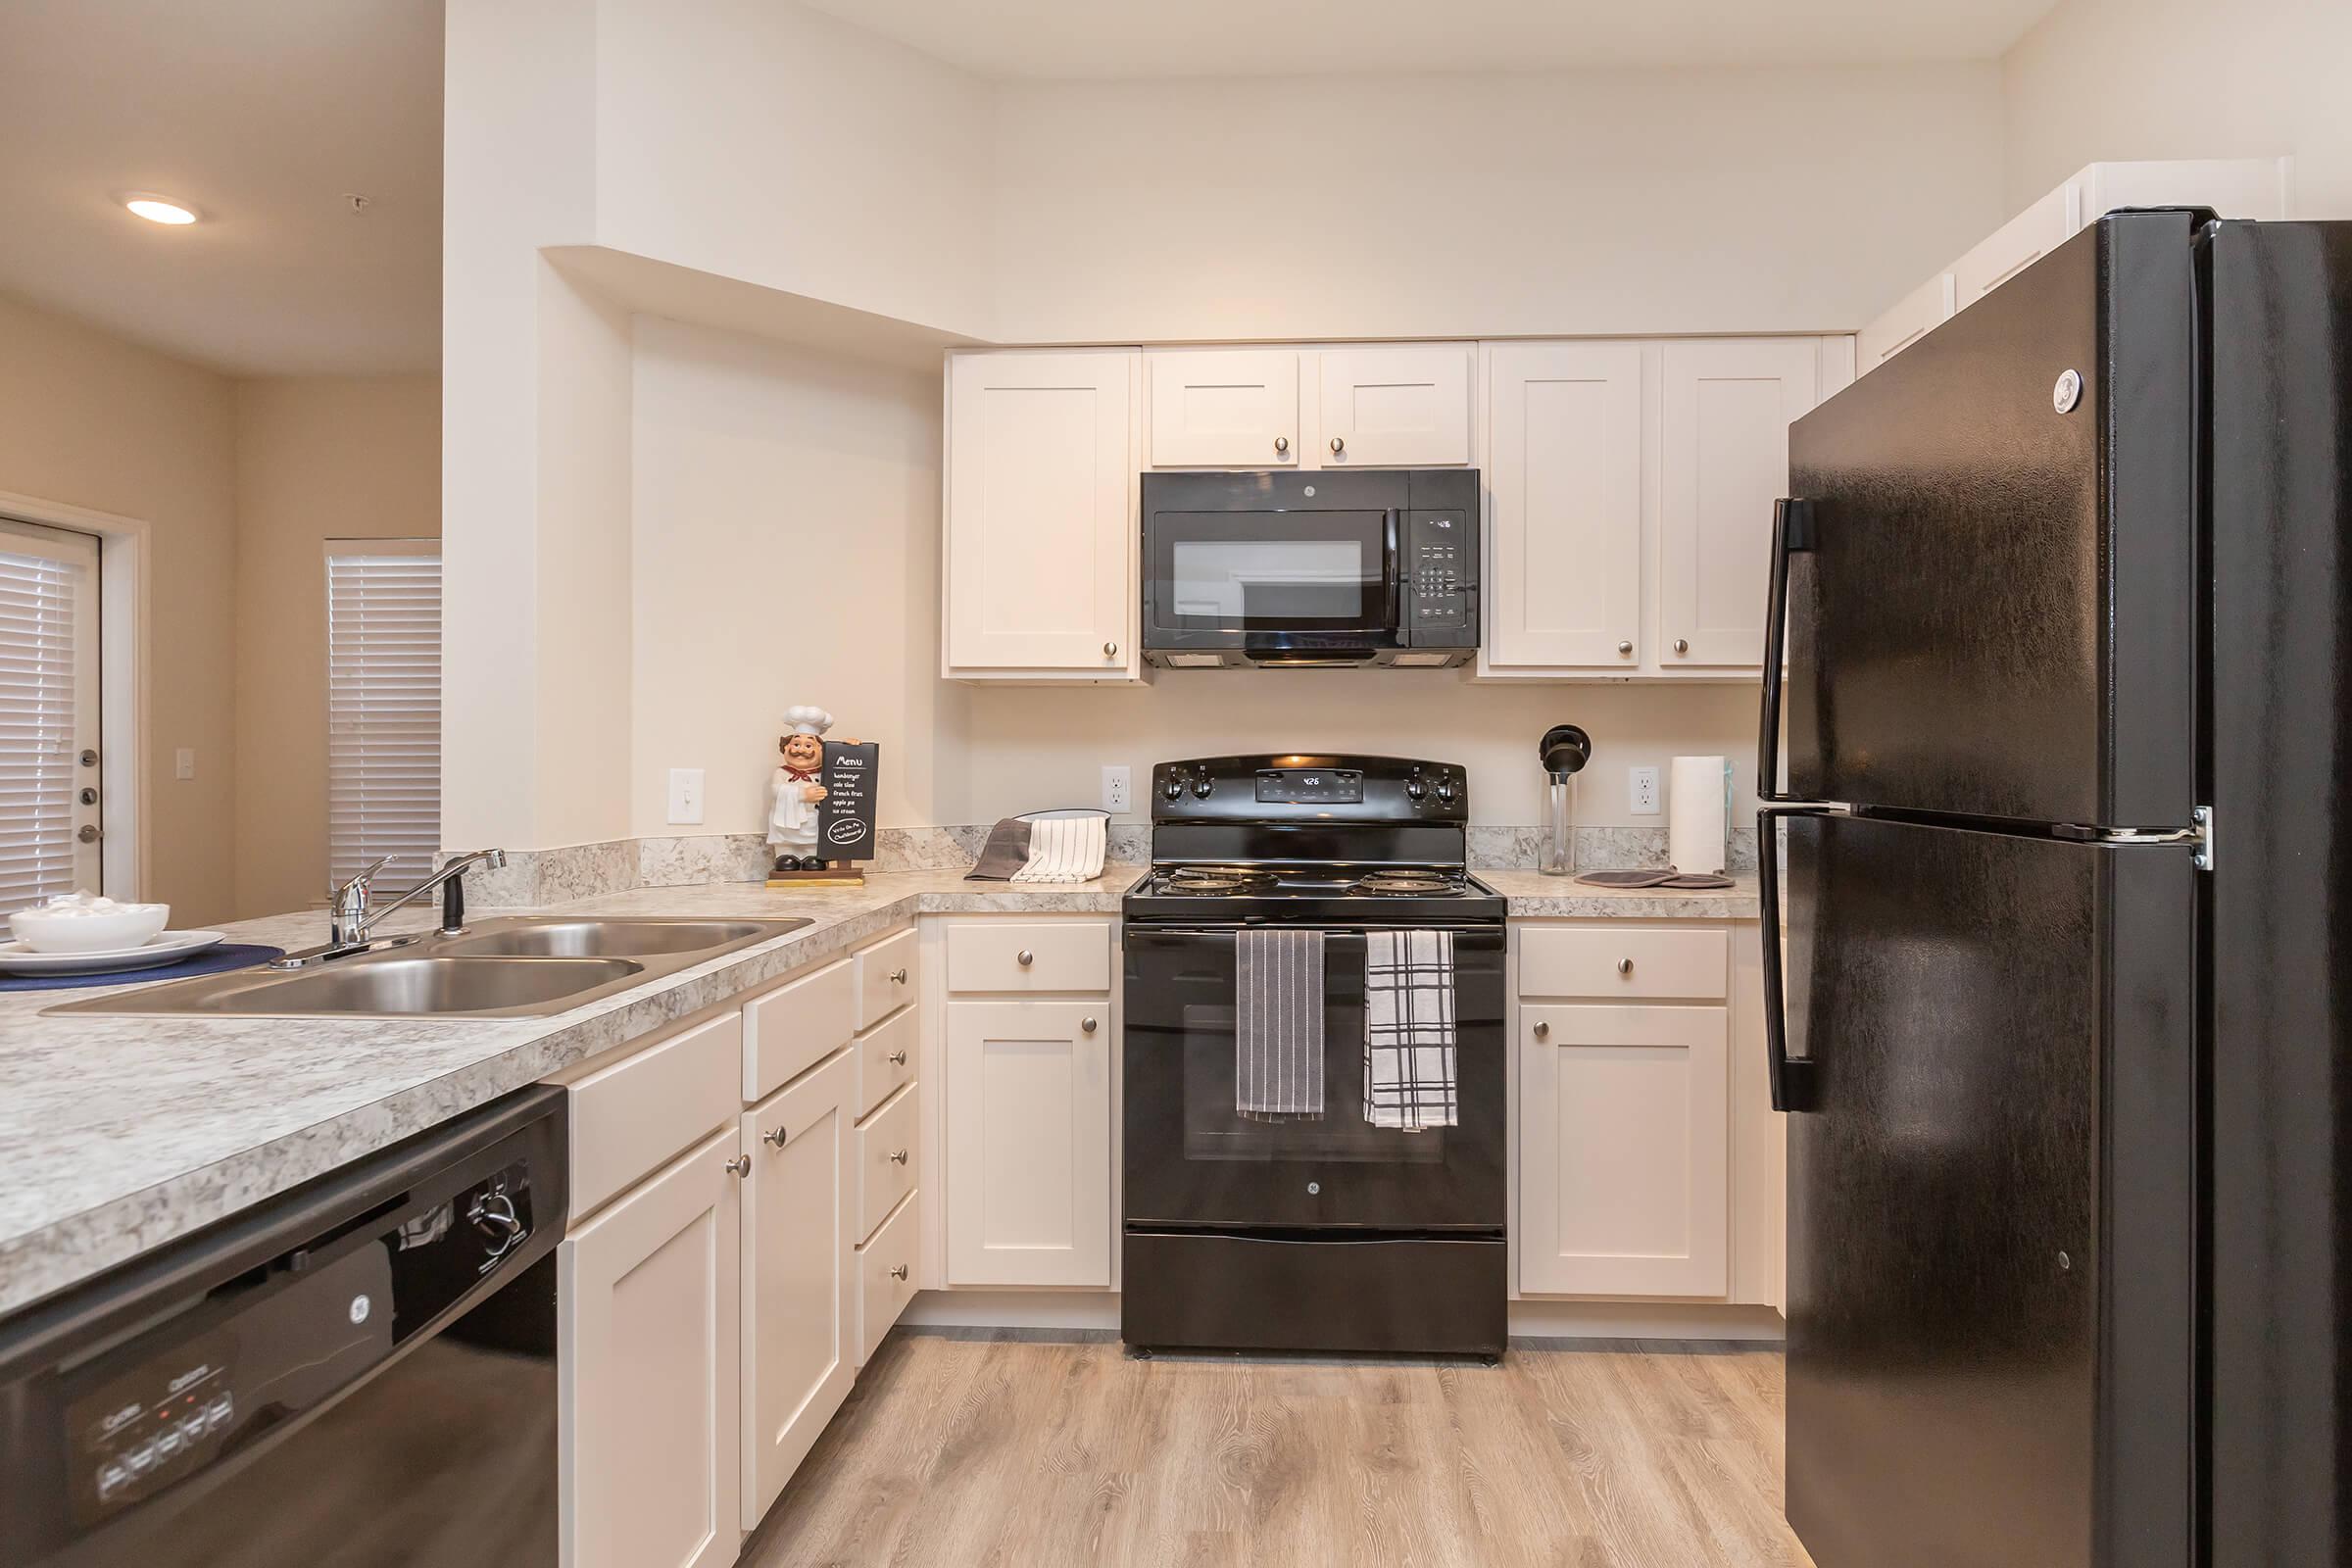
(184, 762)
(685, 794)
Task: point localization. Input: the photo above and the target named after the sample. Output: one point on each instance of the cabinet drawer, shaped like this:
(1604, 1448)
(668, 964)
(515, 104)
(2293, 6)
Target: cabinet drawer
(796, 1026)
(886, 977)
(632, 1116)
(885, 1160)
(886, 1276)
(1009, 955)
(1624, 961)
(885, 1060)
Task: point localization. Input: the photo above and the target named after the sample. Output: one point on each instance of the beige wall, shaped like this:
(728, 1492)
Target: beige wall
(786, 550)
(318, 458)
(2183, 78)
(89, 421)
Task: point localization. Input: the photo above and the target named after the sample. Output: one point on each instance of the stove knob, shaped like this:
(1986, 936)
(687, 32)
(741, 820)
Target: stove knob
(1173, 789)
(1446, 790)
(1414, 789)
(1201, 786)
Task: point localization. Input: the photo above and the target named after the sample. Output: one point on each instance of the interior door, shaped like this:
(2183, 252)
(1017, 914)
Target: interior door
(1564, 505)
(1991, 1197)
(1724, 410)
(1996, 613)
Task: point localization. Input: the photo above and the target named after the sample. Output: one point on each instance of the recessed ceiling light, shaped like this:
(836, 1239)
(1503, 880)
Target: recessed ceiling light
(157, 209)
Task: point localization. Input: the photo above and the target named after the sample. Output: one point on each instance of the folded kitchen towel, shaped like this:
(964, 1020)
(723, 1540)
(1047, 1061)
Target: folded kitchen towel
(1065, 848)
(1278, 1025)
(1408, 1029)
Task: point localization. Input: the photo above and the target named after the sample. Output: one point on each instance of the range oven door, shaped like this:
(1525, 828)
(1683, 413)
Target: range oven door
(1192, 1160)
(1270, 582)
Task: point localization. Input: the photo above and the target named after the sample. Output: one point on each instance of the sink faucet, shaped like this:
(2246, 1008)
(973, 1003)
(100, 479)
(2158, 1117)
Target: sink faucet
(351, 916)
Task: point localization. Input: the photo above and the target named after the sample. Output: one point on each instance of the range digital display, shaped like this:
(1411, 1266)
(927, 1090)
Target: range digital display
(1311, 786)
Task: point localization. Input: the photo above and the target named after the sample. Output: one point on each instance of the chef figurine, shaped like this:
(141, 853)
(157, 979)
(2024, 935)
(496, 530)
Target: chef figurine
(794, 793)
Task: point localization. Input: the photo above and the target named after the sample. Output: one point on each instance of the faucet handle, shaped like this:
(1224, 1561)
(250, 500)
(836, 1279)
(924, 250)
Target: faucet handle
(358, 885)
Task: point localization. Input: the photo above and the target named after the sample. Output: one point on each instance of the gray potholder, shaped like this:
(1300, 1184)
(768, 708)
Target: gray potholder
(1686, 880)
(1005, 852)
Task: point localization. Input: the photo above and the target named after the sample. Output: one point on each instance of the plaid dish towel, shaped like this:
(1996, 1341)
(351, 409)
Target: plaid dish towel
(1278, 1025)
(1408, 1029)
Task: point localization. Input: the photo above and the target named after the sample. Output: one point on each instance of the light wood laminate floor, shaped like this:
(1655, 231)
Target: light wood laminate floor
(981, 1448)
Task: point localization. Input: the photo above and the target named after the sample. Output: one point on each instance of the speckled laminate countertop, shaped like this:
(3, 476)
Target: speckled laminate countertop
(119, 1134)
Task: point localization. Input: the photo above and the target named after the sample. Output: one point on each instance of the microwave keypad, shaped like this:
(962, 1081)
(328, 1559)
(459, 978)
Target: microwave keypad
(1440, 568)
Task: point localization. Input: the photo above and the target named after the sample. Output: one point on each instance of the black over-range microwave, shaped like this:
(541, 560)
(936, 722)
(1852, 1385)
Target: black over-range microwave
(1311, 569)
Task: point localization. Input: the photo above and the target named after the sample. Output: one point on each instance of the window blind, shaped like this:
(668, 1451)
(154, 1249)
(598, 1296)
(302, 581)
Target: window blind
(40, 721)
(383, 708)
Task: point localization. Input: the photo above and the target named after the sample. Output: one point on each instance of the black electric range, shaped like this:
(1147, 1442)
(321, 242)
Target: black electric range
(1330, 1232)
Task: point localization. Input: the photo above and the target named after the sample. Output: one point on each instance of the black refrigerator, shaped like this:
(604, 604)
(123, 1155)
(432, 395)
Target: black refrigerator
(2065, 593)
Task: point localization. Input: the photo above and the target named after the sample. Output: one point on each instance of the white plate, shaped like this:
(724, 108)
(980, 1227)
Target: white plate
(162, 948)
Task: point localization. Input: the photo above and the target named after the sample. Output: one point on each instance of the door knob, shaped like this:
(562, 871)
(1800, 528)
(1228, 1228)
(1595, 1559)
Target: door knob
(1282, 444)
(86, 833)
(1086, 1026)
(897, 1058)
(897, 1156)
(898, 1273)
(1024, 957)
(1682, 645)
(1624, 967)
(777, 1136)
(1625, 647)
(740, 1165)
(1542, 1029)
(1338, 446)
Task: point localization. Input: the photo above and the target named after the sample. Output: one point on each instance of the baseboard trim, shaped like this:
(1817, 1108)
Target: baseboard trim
(1097, 1311)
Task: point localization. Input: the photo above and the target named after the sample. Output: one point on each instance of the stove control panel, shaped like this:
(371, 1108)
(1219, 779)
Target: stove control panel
(1299, 789)
(1311, 786)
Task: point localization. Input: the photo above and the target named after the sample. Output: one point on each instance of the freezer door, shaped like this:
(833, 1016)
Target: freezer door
(1996, 616)
(1990, 1202)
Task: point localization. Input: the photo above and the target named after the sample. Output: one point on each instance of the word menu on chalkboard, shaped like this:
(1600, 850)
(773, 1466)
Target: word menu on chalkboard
(845, 819)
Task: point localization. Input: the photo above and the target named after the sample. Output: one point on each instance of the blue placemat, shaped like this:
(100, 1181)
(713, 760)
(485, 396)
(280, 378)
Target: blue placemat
(217, 959)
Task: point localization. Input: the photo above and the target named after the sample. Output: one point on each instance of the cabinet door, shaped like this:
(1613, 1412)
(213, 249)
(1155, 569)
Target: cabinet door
(1224, 408)
(1906, 321)
(1041, 513)
(1624, 1151)
(1028, 1139)
(800, 1302)
(651, 1371)
(1724, 461)
(1395, 407)
(1564, 512)
(2017, 245)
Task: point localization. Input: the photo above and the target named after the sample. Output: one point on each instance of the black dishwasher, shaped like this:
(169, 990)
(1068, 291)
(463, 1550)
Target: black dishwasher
(359, 1373)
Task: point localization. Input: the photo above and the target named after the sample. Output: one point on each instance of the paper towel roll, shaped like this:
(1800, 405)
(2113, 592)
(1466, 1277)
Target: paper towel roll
(1699, 813)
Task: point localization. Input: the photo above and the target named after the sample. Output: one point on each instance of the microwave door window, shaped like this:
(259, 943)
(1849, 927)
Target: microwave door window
(1271, 582)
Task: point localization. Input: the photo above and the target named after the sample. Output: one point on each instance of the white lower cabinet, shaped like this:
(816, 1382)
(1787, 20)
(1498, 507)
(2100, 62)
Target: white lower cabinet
(1625, 1140)
(798, 1288)
(650, 1387)
(1028, 1121)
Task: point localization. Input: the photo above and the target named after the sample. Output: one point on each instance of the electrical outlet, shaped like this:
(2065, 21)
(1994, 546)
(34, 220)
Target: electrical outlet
(1642, 784)
(685, 794)
(1115, 789)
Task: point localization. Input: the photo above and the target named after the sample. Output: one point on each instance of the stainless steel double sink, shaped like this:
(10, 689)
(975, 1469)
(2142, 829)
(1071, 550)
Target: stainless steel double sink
(522, 967)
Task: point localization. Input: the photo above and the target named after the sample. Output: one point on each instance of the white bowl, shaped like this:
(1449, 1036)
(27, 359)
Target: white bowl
(86, 927)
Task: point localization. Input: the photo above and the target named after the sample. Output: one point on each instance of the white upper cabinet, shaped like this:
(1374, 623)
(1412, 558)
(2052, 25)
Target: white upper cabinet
(1564, 505)
(1400, 406)
(1906, 321)
(1040, 508)
(1223, 407)
(1724, 437)
(2017, 245)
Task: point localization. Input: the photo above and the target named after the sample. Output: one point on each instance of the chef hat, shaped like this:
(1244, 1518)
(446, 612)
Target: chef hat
(806, 720)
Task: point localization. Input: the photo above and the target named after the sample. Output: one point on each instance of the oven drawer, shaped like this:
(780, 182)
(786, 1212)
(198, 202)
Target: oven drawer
(1299, 1292)
(1624, 961)
(1012, 955)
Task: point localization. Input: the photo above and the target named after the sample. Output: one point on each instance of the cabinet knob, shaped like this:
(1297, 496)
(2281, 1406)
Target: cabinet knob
(1282, 444)
(740, 1165)
(1024, 957)
(1086, 1026)
(1624, 967)
(1542, 1029)
(1338, 446)
(777, 1136)
(897, 1156)
(898, 1273)
(898, 977)
(1111, 649)
(1682, 645)
(897, 1058)
(1626, 647)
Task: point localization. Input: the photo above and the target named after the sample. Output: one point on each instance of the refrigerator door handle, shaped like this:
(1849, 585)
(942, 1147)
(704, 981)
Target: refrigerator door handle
(1791, 1077)
(1792, 531)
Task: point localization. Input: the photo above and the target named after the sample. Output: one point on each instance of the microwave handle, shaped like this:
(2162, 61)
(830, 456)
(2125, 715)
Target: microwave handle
(1393, 523)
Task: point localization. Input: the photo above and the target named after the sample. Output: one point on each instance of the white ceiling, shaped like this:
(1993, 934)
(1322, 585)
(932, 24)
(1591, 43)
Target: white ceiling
(1056, 39)
(261, 114)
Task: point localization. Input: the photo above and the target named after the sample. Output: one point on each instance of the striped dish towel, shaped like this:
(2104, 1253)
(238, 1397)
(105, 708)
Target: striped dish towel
(1278, 1025)
(1408, 1029)
(1065, 848)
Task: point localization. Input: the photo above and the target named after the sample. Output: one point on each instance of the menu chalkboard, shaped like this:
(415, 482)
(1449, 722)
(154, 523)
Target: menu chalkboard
(845, 818)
